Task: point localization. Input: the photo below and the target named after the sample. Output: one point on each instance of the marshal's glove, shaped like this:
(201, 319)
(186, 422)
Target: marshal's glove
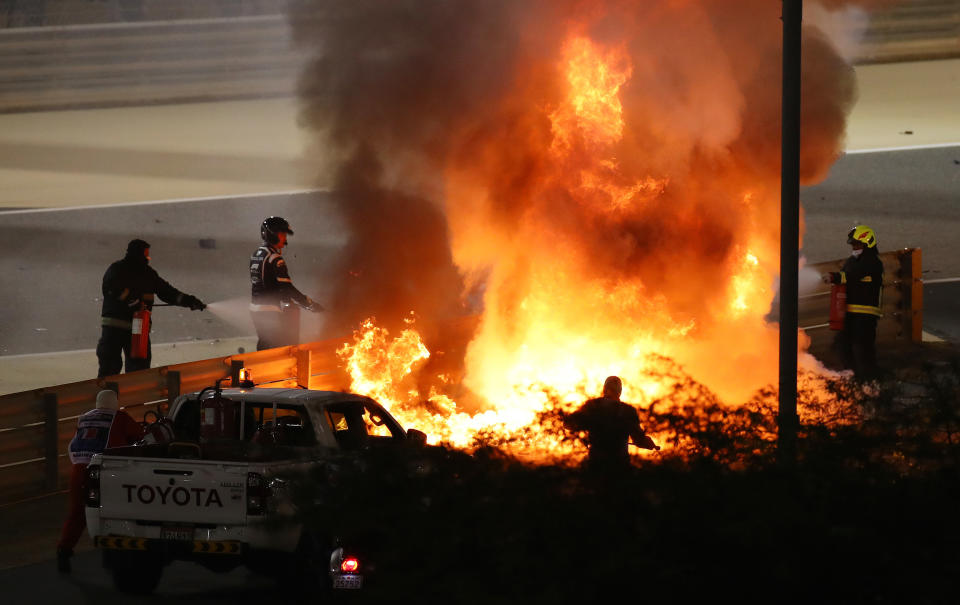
(647, 443)
(194, 303)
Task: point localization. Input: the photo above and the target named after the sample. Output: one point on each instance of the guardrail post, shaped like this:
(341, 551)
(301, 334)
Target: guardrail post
(916, 296)
(303, 368)
(50, 439)
(235, 366)
(173, 387)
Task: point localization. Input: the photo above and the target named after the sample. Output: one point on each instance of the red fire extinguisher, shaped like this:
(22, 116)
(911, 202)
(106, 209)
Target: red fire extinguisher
(838, 305)
(140, 334)
(219, 419)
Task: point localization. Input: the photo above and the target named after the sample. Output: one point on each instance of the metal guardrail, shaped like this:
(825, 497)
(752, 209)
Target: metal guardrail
(902, 303)
(37, 425)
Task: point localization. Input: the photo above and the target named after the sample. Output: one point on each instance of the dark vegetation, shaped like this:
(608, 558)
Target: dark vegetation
(868, 514)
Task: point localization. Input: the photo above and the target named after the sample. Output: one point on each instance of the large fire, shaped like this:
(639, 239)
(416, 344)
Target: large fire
(612, 201)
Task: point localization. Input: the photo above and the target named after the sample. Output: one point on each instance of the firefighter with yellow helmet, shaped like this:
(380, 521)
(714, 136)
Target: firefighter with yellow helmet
(862, 274)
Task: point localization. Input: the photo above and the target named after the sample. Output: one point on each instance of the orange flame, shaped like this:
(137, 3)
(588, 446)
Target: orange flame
(553, 326)
(381, 367)
(592, 117)
(593, 107)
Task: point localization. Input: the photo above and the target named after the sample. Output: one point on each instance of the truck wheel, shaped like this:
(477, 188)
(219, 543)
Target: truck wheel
(137, 573)
(307, 572)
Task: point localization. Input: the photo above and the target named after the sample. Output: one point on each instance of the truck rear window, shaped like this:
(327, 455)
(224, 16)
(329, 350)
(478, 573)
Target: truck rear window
(220, 422)
(283, 426)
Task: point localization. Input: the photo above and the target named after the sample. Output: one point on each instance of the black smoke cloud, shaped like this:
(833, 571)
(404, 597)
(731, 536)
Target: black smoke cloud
(399, 90)
(386, 82)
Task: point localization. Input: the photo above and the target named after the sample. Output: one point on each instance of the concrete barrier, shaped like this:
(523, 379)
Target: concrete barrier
(38, 13)
(912, 31)
(102, 65)
(204, 50)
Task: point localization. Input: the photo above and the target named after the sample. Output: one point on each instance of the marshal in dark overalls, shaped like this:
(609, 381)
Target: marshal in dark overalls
(128, 286)
(272, 291)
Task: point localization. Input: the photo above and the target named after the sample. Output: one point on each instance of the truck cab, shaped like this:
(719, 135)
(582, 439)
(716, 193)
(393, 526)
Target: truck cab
(206, 493)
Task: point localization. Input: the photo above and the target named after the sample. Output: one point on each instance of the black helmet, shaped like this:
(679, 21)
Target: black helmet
(272, 226)
(136, 248)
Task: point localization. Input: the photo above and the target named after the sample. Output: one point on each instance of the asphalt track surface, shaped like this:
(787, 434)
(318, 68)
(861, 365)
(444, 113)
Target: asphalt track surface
(53, 260)
(53, 263)
(941, 310)
(89, 582)
(911, 198)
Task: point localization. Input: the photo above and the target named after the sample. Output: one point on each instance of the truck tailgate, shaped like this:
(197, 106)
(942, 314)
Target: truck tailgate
(188, 491)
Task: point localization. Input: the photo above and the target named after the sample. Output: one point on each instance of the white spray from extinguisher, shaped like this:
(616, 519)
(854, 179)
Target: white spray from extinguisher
(234, 311)
(808, 280)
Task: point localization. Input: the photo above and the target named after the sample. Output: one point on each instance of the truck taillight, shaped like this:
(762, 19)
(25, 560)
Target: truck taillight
(93, 485)
(350, 565)
(256, 494)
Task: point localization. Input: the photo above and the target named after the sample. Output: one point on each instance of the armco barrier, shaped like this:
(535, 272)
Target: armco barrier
(902, 298)
(37, 425)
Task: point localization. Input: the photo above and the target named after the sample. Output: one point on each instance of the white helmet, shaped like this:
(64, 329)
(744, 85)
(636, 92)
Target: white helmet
(107, 400)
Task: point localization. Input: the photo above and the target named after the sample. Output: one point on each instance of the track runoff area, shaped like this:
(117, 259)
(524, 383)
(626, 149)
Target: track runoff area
(200, 245)
(229, 224)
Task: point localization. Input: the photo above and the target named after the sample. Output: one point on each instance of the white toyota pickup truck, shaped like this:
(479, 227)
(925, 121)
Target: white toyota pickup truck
(216, 490)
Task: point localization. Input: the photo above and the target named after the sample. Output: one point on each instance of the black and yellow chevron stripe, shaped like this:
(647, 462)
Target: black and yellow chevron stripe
(120, 543)
(226, 548)
(196, 546)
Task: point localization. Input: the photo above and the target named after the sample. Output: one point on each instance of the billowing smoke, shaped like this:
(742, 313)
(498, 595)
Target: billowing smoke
(469, 172)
